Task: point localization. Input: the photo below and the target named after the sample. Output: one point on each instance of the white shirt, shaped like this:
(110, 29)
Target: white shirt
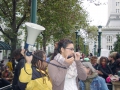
(70, 78)
(70, 84)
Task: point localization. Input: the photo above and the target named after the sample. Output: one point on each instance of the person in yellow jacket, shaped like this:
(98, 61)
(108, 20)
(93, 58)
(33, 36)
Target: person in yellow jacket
(33, 75)
(9, 64)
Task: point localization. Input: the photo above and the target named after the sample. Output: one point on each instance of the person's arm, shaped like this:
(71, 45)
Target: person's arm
(104, 73)
(82, 75)
(25, 73)
(110, 70)
(57, 75)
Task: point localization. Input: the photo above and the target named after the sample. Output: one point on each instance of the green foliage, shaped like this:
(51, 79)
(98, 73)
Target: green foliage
(92, 32)
(117, 44)
(59, 17)
(13, 13)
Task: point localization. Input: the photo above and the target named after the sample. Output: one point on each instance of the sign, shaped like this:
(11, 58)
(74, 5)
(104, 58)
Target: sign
(104, 52)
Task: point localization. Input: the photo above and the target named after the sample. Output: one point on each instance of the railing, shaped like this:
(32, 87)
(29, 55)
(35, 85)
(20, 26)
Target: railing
(8, 87)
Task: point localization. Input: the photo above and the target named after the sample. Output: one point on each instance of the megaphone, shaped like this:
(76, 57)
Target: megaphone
(33, 30)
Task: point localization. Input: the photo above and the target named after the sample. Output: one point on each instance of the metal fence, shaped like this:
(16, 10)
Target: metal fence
(8, 87)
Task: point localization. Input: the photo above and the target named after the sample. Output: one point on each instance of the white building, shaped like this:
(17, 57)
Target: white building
(113, 25)
(111, 29)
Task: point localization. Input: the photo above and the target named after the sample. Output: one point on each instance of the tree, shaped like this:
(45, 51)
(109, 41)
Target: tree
(13, 13)
(117, 44)
(59, 18)
(92, 32)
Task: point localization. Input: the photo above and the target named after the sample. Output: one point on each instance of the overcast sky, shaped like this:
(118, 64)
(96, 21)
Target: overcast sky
(98, 14)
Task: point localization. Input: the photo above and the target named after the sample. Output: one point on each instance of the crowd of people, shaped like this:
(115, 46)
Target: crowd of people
(64, 70)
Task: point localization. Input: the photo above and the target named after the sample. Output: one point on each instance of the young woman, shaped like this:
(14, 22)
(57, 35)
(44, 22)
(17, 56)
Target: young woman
(33, 75)
(66, 78)
(104, 68)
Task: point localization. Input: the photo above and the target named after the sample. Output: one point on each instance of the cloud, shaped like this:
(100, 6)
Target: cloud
(98, 14)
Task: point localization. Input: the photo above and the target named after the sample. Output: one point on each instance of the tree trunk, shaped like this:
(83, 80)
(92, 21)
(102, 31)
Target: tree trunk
(13, 44)
(44, 43)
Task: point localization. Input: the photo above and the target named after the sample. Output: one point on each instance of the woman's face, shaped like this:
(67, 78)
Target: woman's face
(42, 65)
(103, 62)
(68, 51)
(110, 58)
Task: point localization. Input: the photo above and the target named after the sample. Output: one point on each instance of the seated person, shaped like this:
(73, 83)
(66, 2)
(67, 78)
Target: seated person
(6, 77)
(93, 81)
(94, 63)
(104, 68)
(9, 64)
(7, 74)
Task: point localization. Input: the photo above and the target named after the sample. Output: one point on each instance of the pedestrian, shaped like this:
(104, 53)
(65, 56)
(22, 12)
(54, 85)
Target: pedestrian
(33, 75)
(65, 75)
(20, 59)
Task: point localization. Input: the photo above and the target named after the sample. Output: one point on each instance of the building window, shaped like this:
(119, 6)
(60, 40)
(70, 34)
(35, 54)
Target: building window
(109, 47)
(117, 3)
(117, 10)
(109, 39)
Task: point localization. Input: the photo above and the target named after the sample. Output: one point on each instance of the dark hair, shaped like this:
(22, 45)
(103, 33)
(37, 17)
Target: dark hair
(101, 59)
(40, 66)
(93, 58)
(118, 58)
(17, 52)
(117, 55)
(61, 44)
(35, 60)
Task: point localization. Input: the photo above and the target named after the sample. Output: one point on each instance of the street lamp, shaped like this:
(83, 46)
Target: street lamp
(33, 10)
(94, 48)
(84, 47)
(76, 33)
(99, 39)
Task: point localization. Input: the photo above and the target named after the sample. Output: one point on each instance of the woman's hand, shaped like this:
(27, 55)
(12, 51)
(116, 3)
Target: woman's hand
(110, 75)
(99, 72)
(69, 60)
(27, 58)
(77, 56)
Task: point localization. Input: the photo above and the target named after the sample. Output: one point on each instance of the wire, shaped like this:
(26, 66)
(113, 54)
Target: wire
(41, 60)
(48, 62)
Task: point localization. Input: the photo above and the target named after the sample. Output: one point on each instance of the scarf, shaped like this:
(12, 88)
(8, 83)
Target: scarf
(71, 70)
(89, 80)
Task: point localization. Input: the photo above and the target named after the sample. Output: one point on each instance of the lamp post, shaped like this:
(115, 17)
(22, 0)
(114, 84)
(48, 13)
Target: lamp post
(33, 10)
(84, 47)
(94, 48)
(76, 33)
(99, 39)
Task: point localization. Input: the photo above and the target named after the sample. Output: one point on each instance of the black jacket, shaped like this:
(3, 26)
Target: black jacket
(105, 70)
(113, 67)
(20, 64)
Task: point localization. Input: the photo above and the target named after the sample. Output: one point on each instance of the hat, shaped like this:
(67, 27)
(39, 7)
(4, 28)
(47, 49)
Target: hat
(88, 65)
